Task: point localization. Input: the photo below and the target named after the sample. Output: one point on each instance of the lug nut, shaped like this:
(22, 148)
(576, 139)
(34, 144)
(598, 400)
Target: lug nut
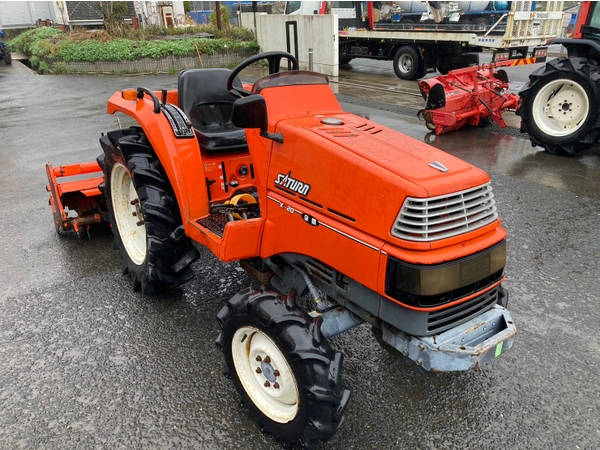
(276, 373)
(134, 213)
(267, 360)
(267, 384)
(258, 370)
(276, 385)
(258, 358)
(135, 201)
(140, 223)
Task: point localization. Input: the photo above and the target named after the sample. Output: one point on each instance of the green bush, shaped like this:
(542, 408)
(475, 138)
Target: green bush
(225, 17)
(125, 49)
(44, 67)
(59, 68)
(54, 44)
(29, 41)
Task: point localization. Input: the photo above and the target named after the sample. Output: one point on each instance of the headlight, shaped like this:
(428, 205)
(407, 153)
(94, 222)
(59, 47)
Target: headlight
(428, 286)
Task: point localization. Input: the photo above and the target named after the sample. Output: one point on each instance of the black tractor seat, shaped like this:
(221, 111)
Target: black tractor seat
(204, 98)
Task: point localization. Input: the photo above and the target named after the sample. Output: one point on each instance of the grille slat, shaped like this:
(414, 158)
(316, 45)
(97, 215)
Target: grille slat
(443, 320)
(430, 219)
(453, 214)
(429, 228)
(446, 201)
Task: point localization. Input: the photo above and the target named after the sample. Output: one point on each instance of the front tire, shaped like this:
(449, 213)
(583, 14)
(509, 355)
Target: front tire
(558, 107)
(284, 369)
(144, 214)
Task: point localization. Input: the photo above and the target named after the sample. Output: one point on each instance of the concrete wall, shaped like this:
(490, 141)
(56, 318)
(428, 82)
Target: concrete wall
(169, 64)
(319, 32)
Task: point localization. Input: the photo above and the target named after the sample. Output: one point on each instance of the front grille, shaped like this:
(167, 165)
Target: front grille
(445, 319)
(444, 216)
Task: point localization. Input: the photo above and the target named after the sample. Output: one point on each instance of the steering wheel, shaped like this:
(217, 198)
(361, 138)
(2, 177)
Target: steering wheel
(274, 59)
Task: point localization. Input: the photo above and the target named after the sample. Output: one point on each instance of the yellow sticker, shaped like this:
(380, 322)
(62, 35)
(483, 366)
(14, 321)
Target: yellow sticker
(499, 349)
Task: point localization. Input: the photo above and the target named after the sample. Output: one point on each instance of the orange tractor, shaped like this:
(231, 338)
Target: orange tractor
(367, 223)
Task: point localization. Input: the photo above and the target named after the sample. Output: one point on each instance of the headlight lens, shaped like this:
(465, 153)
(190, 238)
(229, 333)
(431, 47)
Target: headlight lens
(434, 285)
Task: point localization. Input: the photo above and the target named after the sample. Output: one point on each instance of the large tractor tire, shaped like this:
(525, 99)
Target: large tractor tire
(559, 106)
(143, 213)
(284, 369)
(407, 63)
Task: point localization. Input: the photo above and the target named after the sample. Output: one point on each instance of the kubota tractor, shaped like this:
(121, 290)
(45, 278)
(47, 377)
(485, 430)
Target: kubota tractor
(369, 224)
(559, 107)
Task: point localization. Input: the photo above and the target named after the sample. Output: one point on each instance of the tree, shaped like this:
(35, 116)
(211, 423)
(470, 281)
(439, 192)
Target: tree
(113, 14)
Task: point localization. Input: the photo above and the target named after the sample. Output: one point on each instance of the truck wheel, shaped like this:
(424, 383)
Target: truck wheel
(481, 23)
(144, 216)
(284, 369)
(406, 63)
(443, 66)
(558, 107)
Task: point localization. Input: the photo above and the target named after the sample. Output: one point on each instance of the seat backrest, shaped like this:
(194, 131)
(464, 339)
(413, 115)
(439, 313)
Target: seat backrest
(204, 98)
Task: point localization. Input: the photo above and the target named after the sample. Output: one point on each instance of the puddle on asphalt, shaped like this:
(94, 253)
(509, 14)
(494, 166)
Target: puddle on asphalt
(516, 157)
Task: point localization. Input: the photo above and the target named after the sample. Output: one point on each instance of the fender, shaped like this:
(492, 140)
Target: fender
(578, 47)
(180, 157)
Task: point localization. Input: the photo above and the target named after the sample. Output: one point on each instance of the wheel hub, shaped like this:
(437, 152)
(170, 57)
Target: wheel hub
(406, 63)
(561, 107)
(265, 374)
(268, 372)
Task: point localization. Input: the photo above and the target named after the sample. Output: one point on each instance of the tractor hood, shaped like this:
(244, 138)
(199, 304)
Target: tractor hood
(362, 170)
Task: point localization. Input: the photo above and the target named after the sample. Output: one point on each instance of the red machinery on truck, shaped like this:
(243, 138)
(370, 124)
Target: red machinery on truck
(372, 225)
(559, 106)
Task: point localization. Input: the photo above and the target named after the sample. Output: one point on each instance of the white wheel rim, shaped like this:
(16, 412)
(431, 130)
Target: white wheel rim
(561, 108)
(272, 388)
(405, 63)
(128, 213)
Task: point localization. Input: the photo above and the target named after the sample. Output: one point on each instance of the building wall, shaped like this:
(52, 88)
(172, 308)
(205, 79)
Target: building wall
(319, 32)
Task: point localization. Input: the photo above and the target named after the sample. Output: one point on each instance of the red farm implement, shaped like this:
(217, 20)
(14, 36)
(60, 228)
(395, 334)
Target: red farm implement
(76, 202)
(468, 96)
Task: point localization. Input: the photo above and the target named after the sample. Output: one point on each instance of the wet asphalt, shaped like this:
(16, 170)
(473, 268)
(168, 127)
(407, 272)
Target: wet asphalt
(86, 363)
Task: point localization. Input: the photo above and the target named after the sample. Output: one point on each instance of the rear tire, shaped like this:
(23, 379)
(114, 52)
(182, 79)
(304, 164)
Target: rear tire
(144, 214)
(407, 63)
(559, 106)
(284, 369)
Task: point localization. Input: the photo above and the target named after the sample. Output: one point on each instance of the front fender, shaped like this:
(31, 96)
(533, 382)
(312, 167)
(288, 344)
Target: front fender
(578, 47)
(180, 157)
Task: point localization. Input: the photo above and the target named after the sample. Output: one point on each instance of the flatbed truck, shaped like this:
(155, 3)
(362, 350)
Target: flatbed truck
(420, 48)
